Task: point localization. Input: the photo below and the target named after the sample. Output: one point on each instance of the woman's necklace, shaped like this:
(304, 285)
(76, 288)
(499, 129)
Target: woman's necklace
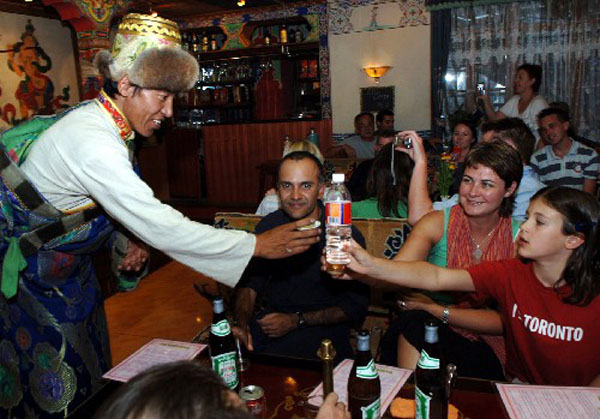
(478, 249)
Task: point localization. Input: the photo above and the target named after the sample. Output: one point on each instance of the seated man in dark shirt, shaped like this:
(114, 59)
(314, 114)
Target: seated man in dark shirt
(288, 306)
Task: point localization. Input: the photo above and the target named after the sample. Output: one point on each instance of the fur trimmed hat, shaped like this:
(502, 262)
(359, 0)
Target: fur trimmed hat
(148, 49)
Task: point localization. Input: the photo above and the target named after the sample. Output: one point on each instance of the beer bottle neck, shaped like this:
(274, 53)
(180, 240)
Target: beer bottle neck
(431, 334)
(218, 306)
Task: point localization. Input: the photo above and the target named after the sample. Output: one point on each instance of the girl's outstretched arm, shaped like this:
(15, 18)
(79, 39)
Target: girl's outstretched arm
(478, 320)
(421, 275)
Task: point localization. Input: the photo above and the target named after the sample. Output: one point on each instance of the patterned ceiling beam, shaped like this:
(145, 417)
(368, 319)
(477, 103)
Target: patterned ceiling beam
(90, 19)
(434, 5)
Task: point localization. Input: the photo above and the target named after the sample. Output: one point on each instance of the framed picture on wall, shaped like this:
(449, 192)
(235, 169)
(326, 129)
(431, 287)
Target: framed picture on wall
(374, 99)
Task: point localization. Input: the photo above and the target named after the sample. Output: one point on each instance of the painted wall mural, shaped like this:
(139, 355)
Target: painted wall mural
(351, 16)
(37, 72)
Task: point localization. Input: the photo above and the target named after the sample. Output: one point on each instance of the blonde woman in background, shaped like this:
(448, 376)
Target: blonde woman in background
(271, 202)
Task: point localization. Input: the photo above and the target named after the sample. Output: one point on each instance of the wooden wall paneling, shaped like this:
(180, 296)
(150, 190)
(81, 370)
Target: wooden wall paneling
(183, 164)
(233, 152)
(152, 161)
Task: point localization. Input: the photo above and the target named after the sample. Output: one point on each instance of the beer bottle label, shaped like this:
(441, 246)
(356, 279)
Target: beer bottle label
(220, 328)
(368, 372)
(372, 411)
(422, 403)
(338, 212)
(428, 363)
(225, 366)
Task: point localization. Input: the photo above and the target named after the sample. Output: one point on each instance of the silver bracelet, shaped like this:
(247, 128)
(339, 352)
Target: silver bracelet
(445, 315)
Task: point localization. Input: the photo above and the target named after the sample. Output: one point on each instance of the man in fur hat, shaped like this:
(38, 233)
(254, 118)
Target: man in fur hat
(67, 181)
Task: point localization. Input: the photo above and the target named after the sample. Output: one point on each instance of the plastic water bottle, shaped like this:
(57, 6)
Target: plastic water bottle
(313, 137)
(338, 219)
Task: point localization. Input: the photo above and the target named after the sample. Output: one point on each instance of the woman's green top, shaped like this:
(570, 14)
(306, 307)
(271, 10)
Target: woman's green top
(369, 209)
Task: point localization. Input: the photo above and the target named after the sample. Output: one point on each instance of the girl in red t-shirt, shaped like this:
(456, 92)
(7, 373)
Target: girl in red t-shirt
(548, 297)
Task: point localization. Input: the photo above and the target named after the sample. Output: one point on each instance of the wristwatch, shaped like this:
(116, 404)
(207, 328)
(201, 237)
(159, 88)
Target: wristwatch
(445, 315)
(301, 319)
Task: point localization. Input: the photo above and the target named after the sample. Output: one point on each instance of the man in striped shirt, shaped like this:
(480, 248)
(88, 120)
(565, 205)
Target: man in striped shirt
(564, 161)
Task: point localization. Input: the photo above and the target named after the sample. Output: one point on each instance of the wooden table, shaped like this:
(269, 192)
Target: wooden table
(288, 381)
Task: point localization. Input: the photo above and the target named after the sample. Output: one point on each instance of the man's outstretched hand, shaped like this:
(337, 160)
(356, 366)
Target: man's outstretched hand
(286, 240)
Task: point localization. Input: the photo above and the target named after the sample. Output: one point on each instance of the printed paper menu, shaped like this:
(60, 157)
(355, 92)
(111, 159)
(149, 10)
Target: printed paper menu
(543, 402)
(392, 379)
(155, 352)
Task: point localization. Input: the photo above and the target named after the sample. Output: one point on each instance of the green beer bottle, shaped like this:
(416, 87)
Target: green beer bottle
(364, 387)
(430, 383)
(221, 345)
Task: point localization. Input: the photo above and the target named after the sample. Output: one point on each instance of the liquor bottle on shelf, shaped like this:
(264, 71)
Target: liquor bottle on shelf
(267, 38)
(430, 379)
(283, 34)
(184, 42)
(313, 137)
(213, 42)
(195, 42)
(298, 35)
(221, 345)
(364, 386)
(205, 43)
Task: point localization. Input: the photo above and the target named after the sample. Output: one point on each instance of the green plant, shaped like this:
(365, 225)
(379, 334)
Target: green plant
(446, 176)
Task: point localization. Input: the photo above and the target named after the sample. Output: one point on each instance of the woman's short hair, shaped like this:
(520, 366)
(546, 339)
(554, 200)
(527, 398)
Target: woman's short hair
(505, 161)
(535, 72)
(177, 390)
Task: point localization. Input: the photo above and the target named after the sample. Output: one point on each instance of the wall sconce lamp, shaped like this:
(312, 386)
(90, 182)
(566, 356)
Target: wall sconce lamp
(241, 3)
(376, 72)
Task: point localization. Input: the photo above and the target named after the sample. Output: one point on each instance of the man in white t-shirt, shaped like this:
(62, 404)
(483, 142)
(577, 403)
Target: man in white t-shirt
(359, 146)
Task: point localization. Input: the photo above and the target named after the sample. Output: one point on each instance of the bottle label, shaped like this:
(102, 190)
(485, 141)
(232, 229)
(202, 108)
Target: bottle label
(221, 328)
(225, 366)
(422, 404)
(338, 213)
(428, 363)
(372, 411)
(368, 372)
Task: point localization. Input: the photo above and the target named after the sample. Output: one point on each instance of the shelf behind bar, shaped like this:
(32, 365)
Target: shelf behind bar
(260, 51)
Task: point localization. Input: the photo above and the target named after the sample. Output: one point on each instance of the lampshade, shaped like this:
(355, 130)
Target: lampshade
(376, 72)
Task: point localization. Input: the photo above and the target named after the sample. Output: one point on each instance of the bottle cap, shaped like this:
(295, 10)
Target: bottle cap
(363, 341)
(218, 305)
(431, 332)
(338, 177)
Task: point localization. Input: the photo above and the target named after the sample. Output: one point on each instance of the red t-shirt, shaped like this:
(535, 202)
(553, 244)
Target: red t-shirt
(547, 341)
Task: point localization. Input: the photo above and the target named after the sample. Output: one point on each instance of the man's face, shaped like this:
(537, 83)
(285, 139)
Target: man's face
(365, 127)
(387, 123)
(553, 130)
(146, 109)
(382, 141)
(299, 189)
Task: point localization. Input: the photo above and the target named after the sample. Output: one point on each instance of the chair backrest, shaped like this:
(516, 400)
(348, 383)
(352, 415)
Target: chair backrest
(383, 237)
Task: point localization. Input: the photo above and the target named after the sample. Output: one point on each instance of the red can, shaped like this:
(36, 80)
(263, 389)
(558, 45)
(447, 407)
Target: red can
(254, 397)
